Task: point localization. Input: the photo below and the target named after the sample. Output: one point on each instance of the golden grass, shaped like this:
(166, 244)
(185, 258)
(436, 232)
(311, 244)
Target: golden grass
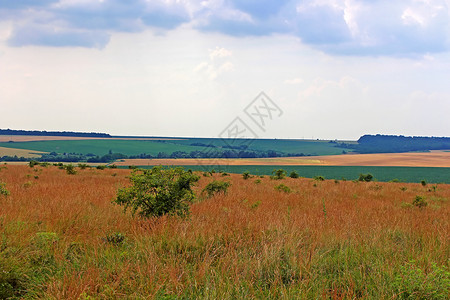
(430, 159)
(232, 241)
(20, 152)
(31, 138)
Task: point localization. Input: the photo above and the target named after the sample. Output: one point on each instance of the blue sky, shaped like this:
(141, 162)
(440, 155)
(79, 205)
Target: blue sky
(337, 69)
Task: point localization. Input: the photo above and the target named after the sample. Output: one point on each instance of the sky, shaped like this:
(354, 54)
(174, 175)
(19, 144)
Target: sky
(332, 69)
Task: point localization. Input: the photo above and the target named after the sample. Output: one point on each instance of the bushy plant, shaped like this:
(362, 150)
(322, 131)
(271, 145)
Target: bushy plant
(423, 182)
(33, 163)
(319, 178)
(115, 238)
(413, 283)
(420, 202)
(293, 174)
(82, 166)
(101, 167)
(113, 166)
(158, 191)
(216, 187)
(3, 190)
(278, 174)
(283, 188)
(70, 169)
(365, 177)
(246, 175)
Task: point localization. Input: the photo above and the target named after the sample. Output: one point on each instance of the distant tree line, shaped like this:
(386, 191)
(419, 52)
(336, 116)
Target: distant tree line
(397, 143)
(110, 157)
(52, 133)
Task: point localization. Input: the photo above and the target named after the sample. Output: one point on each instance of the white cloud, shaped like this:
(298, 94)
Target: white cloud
(294, 81)
(218, 63)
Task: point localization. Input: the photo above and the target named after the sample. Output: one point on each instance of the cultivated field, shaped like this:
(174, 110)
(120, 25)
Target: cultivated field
(35, 138)
(426, 159)
(19, 152)
(62, 239)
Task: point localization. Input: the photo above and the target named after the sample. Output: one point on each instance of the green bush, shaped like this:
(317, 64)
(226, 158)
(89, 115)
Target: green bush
(33, 163)
(278, 174)
(293, 174)
(246, 175)
(115, 238)
(319, 178)
(216, 187)
(414, 283)
(82, 166)
(365, 177)
(283, 188)
(3, 190)
(158, 191)
(101, 167)
(70, 169)
(423, 182)
(113, 166)
(420, 202)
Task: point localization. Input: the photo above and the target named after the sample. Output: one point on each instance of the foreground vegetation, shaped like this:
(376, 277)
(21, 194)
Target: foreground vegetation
(279, 238)
(401, 174)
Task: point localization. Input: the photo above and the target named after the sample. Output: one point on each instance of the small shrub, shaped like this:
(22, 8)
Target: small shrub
(283, 188)
(33, 163)
(216, 187)
(27, 184)
(113, 166)
(115, 238)
(413, 283)
(157, 192)
(278, 174)
(365, 177)
(403, 188)
(70, 169)
(206, 174)
(319, 178)
(82, 166)
(246, 175)
(420, 202)
(258, 181)
(132, 167)
(36, 177)
(294, 174)
(423, 182)
(3, 190)
(336, 181)
(225, 174)
(101, 167)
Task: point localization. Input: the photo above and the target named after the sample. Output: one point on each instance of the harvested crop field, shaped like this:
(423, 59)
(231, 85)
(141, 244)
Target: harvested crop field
(428, 159)
(32, 138)
(20, 152)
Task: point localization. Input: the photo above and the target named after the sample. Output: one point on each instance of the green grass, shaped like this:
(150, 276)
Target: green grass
(134, 147)
(102, 147)
(403, 174)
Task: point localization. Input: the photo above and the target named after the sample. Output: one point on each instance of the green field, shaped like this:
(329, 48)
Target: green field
(403, 174)
(135, 147)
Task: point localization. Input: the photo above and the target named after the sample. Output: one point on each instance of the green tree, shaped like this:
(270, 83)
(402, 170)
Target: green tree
(158, 191)
(278, 174)
(216, 187)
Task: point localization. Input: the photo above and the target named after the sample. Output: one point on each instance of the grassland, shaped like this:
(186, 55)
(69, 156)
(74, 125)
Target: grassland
(61, 239)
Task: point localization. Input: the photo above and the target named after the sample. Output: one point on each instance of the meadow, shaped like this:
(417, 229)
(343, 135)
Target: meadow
(62, 238)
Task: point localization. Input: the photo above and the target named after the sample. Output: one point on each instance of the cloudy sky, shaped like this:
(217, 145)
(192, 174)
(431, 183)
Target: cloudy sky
(336, 69)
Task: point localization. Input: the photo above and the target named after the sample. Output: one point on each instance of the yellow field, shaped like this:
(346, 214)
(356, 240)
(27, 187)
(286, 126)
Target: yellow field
(31, 138)
(19, 152)
(430, 159)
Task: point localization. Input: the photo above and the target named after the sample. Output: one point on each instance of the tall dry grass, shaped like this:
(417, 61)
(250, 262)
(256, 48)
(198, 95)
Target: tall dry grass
(339, 240)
